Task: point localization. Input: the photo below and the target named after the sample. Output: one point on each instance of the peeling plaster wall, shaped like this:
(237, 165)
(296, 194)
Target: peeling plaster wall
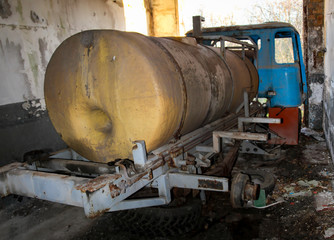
(313, 18)
(30, 31)
(34, 29)
(328, 123)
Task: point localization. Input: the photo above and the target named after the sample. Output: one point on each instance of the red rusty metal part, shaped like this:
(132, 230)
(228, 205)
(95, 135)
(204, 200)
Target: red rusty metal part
(114, 190)
(252, 191)
(210, 184)
(150, 174)
(93, 215)
(288, 130)
(171, 163)
(97, 183)
(176, 152)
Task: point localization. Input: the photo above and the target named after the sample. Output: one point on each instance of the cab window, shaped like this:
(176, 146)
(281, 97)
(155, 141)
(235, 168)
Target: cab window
(284, 48)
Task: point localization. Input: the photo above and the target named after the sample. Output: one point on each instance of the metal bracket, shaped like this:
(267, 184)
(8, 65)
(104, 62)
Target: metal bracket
(218, 135)
(203, 160)
(139, 154)
(248, 147)
(242, 120)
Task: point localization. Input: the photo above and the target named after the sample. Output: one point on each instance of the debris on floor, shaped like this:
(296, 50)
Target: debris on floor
(326, 173)
(302, 188)
(324, 201)
(329, 233)
(301, 206)
(308, 184)
(311, 133)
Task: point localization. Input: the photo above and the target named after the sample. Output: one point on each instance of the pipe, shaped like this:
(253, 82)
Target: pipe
(105, 89)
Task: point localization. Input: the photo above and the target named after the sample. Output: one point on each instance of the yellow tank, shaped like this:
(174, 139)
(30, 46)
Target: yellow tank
(105, 89)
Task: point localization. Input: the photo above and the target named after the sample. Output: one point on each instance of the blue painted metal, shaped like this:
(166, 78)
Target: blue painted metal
(286, 80)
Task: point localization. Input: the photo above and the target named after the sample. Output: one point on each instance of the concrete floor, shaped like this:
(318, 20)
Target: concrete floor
(307, 213)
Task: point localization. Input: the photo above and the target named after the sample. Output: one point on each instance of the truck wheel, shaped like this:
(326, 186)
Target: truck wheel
(160, 221)
(265, 179)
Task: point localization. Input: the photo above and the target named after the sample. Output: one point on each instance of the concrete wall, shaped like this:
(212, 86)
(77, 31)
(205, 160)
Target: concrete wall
(313, 19)
(30, 31)
(328, 123)
(162, 18)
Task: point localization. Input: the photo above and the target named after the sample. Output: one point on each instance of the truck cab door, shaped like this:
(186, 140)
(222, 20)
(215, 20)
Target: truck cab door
(286, 71)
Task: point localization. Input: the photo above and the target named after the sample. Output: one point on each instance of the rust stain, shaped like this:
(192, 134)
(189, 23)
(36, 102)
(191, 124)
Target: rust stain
(150, 169)
(114, 190)
(98, 213)
(150, 175)
(176, 152)
(97, 183)
(190, 159)
(171, 163)
(210, 184)
(252, 191)
(137, 178)
(10, 166)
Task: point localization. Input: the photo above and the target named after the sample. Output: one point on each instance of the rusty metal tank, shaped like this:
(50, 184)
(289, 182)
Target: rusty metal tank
(105, 89)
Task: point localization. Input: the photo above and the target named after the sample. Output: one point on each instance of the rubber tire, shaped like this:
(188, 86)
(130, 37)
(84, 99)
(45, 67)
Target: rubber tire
(237, 190)
(160, 221)
(267, 180)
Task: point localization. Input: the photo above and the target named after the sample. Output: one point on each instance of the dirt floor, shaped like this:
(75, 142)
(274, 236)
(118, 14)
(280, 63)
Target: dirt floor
(304, 180)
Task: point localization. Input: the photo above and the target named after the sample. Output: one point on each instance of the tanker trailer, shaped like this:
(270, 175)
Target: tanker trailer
(105, 89)
(139, 109)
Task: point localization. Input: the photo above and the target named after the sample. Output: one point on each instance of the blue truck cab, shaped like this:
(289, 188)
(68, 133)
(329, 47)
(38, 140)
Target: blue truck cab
(279, 60)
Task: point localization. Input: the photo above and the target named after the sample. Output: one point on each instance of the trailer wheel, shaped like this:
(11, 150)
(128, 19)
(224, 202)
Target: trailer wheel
(160, 221)
(265, 179)
(237, 190)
